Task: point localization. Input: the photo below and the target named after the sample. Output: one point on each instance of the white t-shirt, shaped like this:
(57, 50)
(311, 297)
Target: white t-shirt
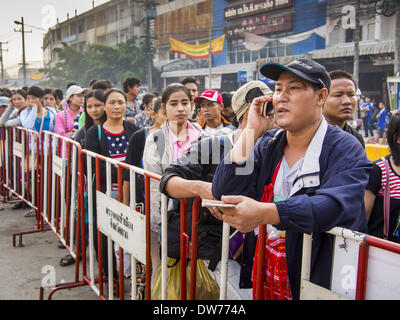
(212, 131)
(283, 187)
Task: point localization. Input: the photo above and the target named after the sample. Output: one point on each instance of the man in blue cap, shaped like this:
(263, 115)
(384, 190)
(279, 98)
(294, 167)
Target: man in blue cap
(305, 177)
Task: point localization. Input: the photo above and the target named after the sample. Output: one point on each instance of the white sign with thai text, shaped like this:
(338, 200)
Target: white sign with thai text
(125, 226)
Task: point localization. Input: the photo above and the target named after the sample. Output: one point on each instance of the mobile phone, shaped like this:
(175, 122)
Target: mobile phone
(216, 203)
(267, 109)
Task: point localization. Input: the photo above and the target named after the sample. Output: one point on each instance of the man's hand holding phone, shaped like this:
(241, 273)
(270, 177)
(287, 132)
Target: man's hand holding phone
(261, 115)
(243, 213)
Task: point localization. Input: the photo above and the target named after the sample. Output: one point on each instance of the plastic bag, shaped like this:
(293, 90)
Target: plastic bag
(206, 287)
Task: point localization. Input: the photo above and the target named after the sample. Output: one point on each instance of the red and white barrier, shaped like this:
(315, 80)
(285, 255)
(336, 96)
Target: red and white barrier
(364, 267)
(20, 156)
(120, 223)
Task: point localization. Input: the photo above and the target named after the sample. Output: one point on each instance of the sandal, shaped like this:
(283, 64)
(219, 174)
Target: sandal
(31, 213)
(19, 205)
(60, 245)
(67, 260)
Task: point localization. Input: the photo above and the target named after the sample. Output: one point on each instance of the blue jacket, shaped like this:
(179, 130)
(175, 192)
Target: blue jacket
(328, 192)
(28, 117)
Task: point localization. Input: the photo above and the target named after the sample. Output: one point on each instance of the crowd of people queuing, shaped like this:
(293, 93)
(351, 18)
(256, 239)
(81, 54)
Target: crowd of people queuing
(301, 169)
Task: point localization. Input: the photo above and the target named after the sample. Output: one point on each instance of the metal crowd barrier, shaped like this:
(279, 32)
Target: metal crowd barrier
(117, 223)
(363, 268)
(3, 168)
(62, 170)
(58, 172)
(60, 181)
(21, 171)
(19, 176)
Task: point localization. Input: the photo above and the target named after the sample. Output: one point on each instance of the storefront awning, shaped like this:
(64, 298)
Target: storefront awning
(347, 50)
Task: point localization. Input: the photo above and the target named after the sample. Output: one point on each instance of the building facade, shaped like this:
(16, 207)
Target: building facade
(377, 45)
(269, 18)
(110, 23)
(281, 21)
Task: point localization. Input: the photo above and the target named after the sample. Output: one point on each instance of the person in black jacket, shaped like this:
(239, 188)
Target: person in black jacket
(342, 102)
(110, 140)
(134, 154)
(191, 176)
(93, 106)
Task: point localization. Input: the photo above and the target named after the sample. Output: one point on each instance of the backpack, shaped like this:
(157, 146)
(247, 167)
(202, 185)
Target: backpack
(210, 228)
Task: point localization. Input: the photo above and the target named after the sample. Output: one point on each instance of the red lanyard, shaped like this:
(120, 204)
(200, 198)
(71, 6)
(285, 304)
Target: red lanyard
(268, 194)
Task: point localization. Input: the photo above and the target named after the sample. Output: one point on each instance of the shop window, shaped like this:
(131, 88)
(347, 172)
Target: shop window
(254, 55)
(263, 53)
(232, 57)
(349, 35)
(281, 51)
(247, 56)
(72, 28)
(239, 57)
(81, 26)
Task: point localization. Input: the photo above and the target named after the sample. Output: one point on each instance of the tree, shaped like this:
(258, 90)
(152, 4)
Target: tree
(97, 62)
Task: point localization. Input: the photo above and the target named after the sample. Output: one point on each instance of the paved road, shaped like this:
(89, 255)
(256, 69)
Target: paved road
(21, 267)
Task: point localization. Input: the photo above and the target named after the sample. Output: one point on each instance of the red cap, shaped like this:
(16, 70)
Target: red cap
(212, 95)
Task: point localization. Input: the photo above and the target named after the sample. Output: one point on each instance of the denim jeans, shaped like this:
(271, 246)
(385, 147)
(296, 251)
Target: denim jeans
(367, 123)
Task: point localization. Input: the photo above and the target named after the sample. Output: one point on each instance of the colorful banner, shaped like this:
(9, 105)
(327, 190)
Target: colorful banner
(37, 76)
(197, 51)
(255, 42)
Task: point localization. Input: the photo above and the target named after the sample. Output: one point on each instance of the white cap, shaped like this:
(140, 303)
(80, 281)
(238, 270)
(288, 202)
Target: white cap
(239, 104)
(73, 90)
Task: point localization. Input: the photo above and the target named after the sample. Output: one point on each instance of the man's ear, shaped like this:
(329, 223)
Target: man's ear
(322, 96)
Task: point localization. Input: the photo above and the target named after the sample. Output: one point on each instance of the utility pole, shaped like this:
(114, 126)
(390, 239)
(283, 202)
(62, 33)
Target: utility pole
(356, 39)
(1, 60)
(150, 14)
(397, 40)
(21, 23)
(210, 2)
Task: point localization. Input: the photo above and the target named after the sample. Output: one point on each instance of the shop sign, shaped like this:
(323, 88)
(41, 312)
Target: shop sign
(254, 7)
(260, 25)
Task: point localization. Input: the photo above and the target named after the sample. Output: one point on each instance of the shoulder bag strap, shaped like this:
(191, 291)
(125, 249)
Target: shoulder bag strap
(42, 121)
(99, 131)
(386, 201)
(65, 121)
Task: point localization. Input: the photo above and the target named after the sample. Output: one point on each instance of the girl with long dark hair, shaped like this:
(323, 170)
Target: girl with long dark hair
(110, 139)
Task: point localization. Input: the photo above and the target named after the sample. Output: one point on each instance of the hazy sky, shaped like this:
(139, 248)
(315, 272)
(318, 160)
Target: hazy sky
(38, 13)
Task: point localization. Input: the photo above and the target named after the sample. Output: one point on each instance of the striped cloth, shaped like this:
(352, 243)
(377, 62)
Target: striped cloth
(394, 182)
(117, 146)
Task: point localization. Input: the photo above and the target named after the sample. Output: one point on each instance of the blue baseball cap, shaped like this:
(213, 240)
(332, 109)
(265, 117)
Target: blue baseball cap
(305, 69)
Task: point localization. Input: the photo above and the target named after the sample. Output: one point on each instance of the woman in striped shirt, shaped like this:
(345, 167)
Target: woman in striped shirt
(374, 195)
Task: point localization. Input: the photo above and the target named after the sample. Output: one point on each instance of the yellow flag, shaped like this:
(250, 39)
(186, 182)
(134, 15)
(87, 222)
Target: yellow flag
(197, 51)
(37, 76)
